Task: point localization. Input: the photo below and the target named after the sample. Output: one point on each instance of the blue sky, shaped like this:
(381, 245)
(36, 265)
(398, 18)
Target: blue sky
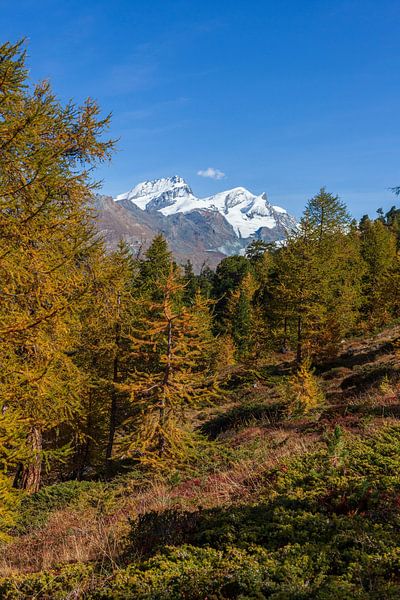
(282, 96)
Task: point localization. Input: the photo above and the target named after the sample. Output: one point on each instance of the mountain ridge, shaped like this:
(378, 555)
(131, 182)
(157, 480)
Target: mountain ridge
(203, 230)
(245, 211)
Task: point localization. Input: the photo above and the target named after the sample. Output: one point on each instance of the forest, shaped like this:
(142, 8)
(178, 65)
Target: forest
(166, 434)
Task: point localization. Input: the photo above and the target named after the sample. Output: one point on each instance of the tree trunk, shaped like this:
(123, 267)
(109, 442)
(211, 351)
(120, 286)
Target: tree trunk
(284, 348)
(83, 459)
(84, 454)
(299, 354)
(113, 413)
(82, 451)
(29, 476)
(165, 383)
(113, 406)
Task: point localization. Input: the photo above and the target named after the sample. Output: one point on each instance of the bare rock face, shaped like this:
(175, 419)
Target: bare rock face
(115, 224)
(202, 230)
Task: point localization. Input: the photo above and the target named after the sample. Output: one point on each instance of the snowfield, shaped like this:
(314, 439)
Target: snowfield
(246, 212)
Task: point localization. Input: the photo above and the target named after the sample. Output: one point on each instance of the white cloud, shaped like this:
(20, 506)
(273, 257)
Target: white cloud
(211, 173)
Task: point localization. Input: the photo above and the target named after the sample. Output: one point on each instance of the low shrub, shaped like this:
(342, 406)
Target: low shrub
(35, 509)
(335, 511)
(240, 416)
(327, 528)
(67, 582)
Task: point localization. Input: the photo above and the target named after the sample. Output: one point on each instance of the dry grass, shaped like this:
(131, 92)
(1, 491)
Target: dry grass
(241, 482)
(69, 536)
(81, 536)
(73, 536)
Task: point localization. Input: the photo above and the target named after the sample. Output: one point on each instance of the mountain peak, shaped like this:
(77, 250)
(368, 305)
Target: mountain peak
(246, 212)
(157, 193)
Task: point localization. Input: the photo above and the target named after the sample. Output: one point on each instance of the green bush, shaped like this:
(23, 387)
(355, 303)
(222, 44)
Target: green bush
(192, 573)
(334, 513)
(295, 572)
(36, 509)
(240, 416)
(327, 528)
(69, 581)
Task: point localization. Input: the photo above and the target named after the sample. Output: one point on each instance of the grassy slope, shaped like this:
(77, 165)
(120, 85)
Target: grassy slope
(273, 508)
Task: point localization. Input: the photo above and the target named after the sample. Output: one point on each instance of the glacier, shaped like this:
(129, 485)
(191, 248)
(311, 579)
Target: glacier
(246, 212)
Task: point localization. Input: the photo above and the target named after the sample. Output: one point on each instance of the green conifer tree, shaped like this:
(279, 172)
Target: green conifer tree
(379, 251)
(190, 282)
(240, 314)
(155, 267)
(317, 277)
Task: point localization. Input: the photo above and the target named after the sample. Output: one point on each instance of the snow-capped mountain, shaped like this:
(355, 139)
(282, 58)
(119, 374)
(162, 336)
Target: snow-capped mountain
(158, 194)
(204, 230)
(248, 214)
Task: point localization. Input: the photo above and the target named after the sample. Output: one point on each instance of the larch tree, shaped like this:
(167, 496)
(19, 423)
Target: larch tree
(101, 355)
(46, 153)
(379, 251)
(12, 449)
(172, 349)
(318, 276)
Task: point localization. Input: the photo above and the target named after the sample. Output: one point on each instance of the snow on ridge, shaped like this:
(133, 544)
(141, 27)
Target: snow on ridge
(245, 211)
(279, 209)
(146, 191)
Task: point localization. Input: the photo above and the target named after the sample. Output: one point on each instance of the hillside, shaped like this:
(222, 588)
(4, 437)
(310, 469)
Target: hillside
(172, 432)
(274, 507)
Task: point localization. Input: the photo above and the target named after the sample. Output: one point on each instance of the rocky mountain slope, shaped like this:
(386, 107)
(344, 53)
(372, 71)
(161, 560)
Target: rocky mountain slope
(201, 229)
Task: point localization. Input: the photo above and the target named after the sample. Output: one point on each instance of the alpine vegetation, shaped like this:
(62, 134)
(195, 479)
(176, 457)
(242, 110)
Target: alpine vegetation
(173, 427)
